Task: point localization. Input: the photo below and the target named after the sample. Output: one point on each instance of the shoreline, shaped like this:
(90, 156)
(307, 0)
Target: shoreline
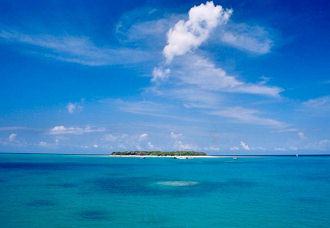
(155, 156)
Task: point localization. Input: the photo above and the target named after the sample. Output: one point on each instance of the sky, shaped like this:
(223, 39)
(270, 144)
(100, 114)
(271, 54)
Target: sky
(222, 77)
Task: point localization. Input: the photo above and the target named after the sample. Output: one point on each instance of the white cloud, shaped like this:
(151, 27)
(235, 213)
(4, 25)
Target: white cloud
(190, 34)
(234, 148)
(179, 145)
(43, 143)
(175, 136)
(195, 97)
(301, 135)
(211, 148)
(71, 107)
(12, 128)
(207, 76)
(150, 145)
(324, 144)
(244, 145)
(319, 106)
(250, 38)
(149, 108)
(110, 137)
(61, 130)
(160, 74)
(249, 116)
(317, 103)
(79, 50)
(143, 136)
(12, 137)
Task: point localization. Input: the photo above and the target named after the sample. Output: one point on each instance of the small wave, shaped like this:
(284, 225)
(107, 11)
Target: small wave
(177, 183)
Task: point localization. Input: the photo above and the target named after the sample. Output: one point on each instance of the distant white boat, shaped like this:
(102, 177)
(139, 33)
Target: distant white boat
(297, 155)
(235, 158)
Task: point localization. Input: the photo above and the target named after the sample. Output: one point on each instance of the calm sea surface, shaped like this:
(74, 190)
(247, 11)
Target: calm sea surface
(93, 191)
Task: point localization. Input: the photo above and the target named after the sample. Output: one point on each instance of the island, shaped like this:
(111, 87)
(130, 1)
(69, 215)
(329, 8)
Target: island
(159, 154)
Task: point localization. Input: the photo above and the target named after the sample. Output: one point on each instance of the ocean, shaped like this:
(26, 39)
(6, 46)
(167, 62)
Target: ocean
(97, 191)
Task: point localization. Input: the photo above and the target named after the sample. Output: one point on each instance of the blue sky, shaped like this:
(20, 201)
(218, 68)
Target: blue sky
(225, 77)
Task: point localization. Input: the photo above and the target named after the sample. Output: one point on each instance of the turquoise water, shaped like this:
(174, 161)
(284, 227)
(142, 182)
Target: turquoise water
(93, 191)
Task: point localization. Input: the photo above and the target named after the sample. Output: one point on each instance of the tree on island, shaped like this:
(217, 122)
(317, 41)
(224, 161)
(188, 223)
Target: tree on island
(160, 153)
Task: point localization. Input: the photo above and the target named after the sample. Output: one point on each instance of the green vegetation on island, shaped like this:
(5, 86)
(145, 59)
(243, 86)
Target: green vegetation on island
(160, 153)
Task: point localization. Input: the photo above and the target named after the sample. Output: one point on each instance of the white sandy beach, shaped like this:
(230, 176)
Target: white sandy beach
(154, 156)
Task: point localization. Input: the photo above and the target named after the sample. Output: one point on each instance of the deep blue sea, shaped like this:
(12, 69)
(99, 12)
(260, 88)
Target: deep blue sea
(94, 191)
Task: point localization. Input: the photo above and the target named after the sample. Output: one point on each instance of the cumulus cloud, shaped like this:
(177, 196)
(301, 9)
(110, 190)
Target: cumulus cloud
(62, 130)
(12, 137)
(190, 34)
(244, 145)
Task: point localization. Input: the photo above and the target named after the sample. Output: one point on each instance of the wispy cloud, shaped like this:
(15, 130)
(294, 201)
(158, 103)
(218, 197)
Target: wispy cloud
(319, 105)
(175, 136)
(143, 136)
(249, 116)
(318, 102)
(193, 97)
(244, 145)
(12, 137)
(204, 74)
(301, 135)
(245, 37)
(75, 49)
(12, 128)
(62, 130)
(73, 107)
(142, 107)
(149, 108)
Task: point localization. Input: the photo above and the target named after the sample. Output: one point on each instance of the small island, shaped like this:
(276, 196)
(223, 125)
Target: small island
(159, 153)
